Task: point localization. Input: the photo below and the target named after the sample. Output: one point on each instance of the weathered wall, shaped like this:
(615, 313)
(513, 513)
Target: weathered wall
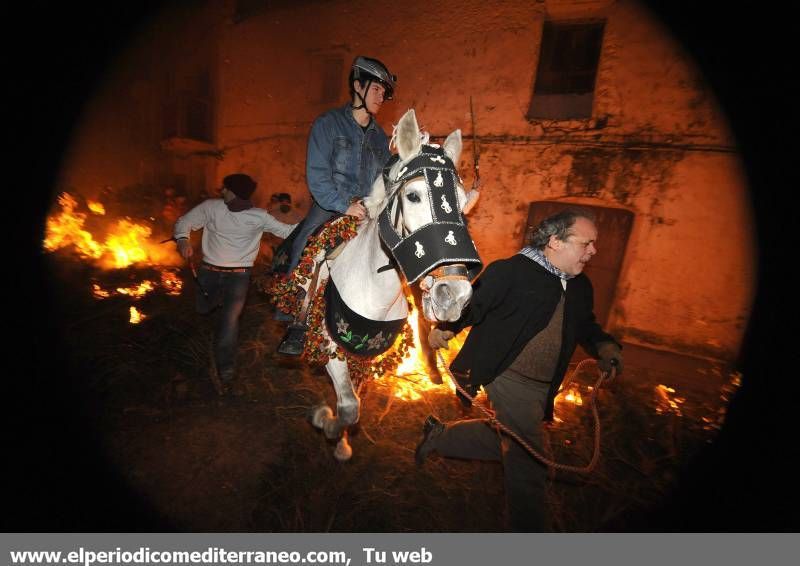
(657, 144)
(117, 142)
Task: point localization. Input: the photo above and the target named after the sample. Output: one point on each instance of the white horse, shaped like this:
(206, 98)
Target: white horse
(376, 293)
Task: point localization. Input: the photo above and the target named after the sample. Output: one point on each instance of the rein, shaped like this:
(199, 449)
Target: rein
(492, 418)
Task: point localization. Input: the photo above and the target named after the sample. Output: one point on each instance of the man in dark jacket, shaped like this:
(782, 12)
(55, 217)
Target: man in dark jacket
(527, 313)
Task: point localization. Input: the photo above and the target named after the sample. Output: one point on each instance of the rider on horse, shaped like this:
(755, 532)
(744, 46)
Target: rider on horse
(347, 150)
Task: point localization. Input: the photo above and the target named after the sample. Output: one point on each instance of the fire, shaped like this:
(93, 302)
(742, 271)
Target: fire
(66, 228)
(665, 403)
(573, 395)
(99, 292)
(136, 316)
(411, 379)
(171, 282)
(139, 290)
(125, 243)
(96, 207)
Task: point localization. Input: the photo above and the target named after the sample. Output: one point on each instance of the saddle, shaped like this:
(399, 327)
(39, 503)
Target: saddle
(280, 260)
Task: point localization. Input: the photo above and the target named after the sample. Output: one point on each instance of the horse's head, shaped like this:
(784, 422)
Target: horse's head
(420, 202)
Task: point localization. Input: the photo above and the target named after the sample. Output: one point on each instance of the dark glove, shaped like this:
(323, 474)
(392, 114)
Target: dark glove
(610, 356)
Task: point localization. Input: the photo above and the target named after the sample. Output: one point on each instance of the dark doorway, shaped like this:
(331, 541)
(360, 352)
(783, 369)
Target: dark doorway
(614, 228)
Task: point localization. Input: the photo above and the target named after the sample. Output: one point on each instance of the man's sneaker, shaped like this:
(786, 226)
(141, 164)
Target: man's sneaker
(432, 428)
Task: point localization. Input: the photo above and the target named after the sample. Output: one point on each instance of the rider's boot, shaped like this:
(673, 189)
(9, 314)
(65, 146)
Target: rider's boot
(294, 340)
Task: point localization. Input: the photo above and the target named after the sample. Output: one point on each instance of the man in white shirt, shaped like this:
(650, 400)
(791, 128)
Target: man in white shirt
(232, 229)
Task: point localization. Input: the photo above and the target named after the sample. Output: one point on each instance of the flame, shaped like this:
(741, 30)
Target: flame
(99, 292)
(96, 207)
(66, 228)
(665, 403)
(569, 394)
(171, 282)
(125, 243)
(136, 316)
(137, 291)
(411, 379)
(573, 395)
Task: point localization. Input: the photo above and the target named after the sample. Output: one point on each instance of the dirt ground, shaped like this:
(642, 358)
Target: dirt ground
(192, 460)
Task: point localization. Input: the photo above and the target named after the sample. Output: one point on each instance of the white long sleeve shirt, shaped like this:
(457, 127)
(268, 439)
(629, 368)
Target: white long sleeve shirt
(230, 239)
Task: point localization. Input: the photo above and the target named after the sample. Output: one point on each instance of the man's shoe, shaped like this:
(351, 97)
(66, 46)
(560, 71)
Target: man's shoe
(294, 341)
(432, 428)
(225, 378)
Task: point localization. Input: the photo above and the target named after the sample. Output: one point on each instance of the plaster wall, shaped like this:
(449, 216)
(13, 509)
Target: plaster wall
(657, 143)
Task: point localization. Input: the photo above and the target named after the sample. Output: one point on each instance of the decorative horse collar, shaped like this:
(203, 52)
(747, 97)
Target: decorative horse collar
(356, 334)
(445, 239)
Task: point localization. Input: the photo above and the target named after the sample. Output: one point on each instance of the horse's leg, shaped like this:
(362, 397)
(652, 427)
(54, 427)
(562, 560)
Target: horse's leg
(347, 409)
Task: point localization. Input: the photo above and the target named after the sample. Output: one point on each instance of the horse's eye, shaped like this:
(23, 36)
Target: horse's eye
(413, 197)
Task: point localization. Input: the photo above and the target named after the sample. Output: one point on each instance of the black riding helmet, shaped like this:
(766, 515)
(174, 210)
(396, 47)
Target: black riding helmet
(366, 70)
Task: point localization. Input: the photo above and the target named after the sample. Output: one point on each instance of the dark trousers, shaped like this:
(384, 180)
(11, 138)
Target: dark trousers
(228, 290)
(518, 404)
(315, 218)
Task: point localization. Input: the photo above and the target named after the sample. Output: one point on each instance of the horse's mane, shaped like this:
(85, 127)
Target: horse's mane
(377, 199)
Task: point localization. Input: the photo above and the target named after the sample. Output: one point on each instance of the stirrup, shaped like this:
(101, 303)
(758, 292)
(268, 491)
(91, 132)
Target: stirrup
(294, 340)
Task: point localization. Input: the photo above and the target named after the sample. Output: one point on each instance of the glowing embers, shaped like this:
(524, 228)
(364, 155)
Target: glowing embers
(570, 395)
(136, 316)
(122, 244)
(170, 283)
(573, 394)
(98, 292)
(135, 291)
(96, 207)
(717, 417)
(666, 401)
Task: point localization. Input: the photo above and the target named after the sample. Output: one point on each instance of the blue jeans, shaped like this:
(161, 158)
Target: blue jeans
(227, 290)
(315, 218)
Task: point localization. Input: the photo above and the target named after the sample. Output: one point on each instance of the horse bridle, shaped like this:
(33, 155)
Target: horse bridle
(442, 243)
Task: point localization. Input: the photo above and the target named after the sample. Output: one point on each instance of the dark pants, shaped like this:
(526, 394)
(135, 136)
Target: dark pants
(315, 218)
(518, 404)
(227, 290)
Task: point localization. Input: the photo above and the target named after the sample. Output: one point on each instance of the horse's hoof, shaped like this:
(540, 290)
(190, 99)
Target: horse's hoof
(343, 451)
(319, 414)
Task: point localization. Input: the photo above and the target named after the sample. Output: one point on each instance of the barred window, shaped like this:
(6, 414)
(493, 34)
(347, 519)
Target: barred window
(567, 70)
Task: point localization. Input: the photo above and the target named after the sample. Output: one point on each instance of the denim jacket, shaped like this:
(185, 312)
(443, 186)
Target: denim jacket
(343, 160)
